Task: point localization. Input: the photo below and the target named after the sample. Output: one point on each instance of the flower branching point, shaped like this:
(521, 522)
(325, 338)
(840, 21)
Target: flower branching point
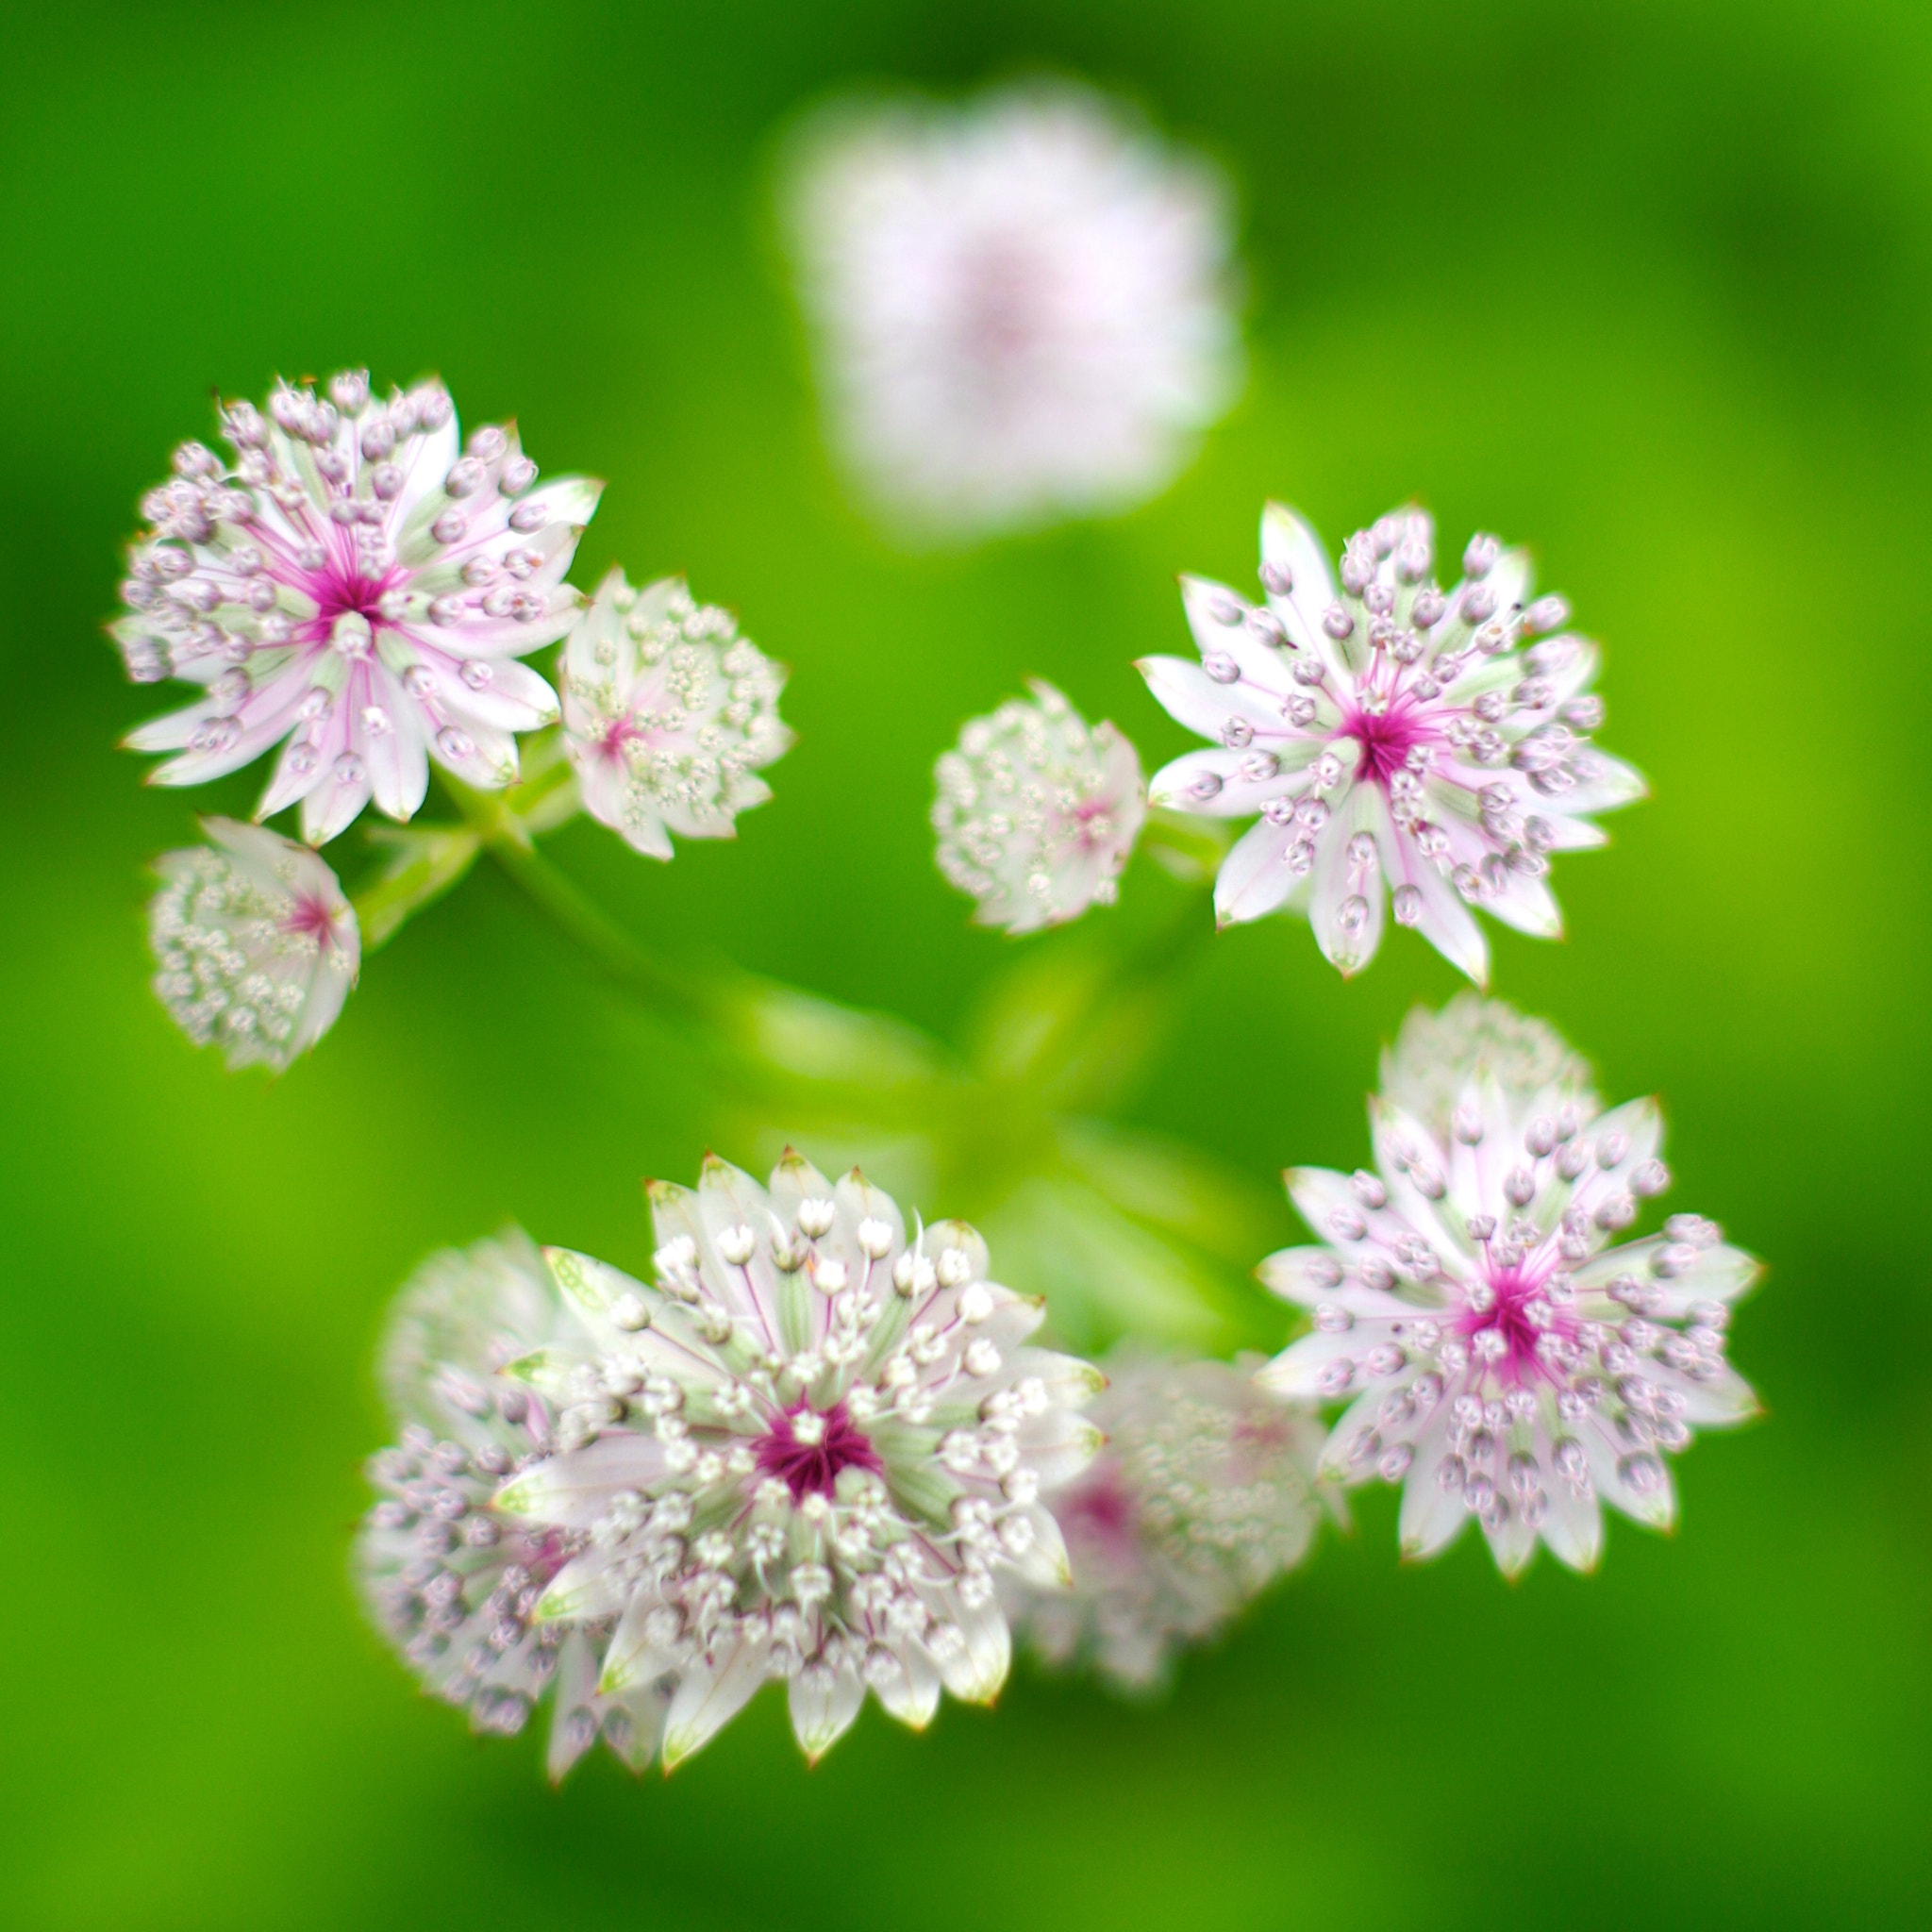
(1403, 748)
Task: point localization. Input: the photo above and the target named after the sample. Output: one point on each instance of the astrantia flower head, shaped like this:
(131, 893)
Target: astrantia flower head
(1395, 738)
(667, 713)
(256, 946)
(1022, 304)
(1037, 813)
(1473, 1039)
(1205, 1492)
(450, 1582)
(1506, 1356)
(356, 585)
(814, 1445)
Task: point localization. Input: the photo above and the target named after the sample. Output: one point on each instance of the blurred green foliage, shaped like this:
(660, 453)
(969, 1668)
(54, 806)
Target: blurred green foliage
(1647, 285)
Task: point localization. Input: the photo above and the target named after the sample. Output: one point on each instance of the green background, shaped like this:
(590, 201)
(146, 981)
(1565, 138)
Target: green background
(1647, 286)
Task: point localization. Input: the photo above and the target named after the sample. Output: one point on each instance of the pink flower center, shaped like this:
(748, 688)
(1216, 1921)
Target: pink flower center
(1099, 1514)
(1385, 739)
(311, 916)
(1093, 821)
(337, 591)
(617, 734)
(806, 1448)
(1003, 306)
(1520, 1315)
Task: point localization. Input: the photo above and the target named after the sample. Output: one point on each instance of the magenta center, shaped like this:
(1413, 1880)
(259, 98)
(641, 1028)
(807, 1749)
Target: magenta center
(1385, 739)
(617, 734)
(1099, 1514)
(310, 915)
(806, 1448)
(339, 589)
(1515, 1289)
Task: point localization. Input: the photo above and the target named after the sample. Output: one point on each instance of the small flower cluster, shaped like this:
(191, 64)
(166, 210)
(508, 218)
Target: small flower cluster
(1506, 1355)
(667, 713)
(1037, 812)
(805, 1453)
(358, 587)
(1206, 1492)
(256, 946)
(1021, 306)
(451, 1582)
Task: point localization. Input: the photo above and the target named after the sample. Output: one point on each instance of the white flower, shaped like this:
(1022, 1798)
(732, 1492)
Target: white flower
(452, 1584)
(667, 713)
(1391, 736)
(1501, 1358)
(1036, 812)
(1477, 1040)
(356, 586)
(1204, 1494)
(810, 1461)
(1021, 304)
(256, 946)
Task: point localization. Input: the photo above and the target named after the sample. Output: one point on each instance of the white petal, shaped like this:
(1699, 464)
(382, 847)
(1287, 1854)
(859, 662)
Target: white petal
(1210, 784)
(709, 1696)
(1574, 1526)
(1347, 899)
(1616, 784)
(398, 765)
(913, 1696)
(1204, 704)
(1526, 905)
(573, 1490)
(1266, 665)
(824, 1703)
(1255, 877)
(1719, 1273)
(1290, 543)
(576, 1691)
(1432, 1517)
(1446, 923)
(979, 1671)
(1712, 1401)
(1656, 1506)
(631, 1658)
(1513, 1543)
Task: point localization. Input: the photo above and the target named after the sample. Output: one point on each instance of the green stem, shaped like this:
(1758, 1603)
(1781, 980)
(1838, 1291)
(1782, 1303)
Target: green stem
(423, 865)
(613, 949)
(508, 840)
(729, 1013)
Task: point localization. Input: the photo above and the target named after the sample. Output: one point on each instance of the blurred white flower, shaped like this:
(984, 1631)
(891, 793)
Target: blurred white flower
(1205, 1492)
(356, 586)
(1037, 813)
(448, 1581)
(667, 713)
(803, 1454)
(1021, 304)
(1391, 736)
(1501, 1360)
(1437, 1055)
(256, 946)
